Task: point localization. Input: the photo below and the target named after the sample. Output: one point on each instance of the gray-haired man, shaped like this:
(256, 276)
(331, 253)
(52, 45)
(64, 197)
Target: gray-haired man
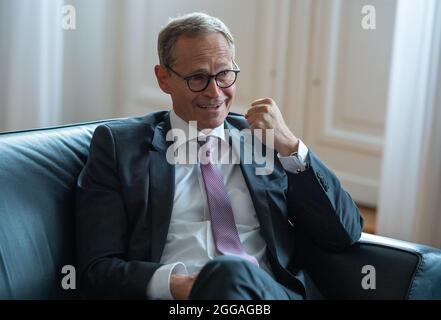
(147, 228)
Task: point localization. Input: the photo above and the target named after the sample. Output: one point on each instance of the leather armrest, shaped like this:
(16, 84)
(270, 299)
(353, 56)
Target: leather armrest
(403, 270)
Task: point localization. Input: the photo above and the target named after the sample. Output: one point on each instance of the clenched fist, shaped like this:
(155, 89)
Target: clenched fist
(265, 114)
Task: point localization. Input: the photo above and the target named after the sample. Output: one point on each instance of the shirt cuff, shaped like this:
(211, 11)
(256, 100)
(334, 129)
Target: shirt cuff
(159, 285)
(296, 162)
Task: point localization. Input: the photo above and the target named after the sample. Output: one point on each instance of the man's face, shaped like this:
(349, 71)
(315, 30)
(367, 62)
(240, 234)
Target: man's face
(207, 54)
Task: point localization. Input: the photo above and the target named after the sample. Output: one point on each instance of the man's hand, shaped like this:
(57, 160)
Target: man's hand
(264, 114)
(180, 285)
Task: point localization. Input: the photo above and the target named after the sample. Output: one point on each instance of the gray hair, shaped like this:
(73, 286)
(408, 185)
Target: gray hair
(191, 25)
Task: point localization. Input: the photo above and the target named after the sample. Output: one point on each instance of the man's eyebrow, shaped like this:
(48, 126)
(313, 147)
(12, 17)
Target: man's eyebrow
(205, 71)
(199, 71)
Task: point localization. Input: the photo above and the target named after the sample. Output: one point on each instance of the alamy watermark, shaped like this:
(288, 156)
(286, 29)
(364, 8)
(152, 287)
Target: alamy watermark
(369, 281)
(244, 146)
(369, 19)
(69, 281)
(69, 18)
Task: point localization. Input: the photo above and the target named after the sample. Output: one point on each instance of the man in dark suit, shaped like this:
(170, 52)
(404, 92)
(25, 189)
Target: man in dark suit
(151, 227)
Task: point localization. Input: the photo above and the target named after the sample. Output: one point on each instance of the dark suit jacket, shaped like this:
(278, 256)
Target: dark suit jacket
(125, 199)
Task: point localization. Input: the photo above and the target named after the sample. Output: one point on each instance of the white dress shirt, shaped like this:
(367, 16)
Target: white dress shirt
(189, 244)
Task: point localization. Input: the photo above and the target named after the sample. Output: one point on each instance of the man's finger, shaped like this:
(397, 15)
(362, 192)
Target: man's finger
(262, 101)
(258, 116)
(251, 118)
(256, 109)
(258, 124)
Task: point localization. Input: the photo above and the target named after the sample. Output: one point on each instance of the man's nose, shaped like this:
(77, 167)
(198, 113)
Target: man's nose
(212, 91)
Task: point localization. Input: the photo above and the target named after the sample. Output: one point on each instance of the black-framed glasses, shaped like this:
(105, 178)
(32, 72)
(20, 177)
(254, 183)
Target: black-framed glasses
(199, 82)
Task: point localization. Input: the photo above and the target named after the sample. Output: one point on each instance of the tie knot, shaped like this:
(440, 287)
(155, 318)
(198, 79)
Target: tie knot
(208, 142)
(206, 147)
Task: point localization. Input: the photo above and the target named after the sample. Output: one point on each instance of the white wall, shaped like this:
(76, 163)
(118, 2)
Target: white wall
(284, 48)
(91, 62)
(346, 91)
(327, 75)
(31, 64)
(4, 61)
(409, 206)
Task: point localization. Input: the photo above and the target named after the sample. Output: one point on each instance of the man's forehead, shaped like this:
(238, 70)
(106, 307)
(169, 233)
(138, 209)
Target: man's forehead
(203, 40)
(212, 49)
(209, 61)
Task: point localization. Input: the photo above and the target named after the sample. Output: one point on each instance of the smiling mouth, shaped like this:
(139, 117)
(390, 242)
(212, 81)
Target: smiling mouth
(209, 106)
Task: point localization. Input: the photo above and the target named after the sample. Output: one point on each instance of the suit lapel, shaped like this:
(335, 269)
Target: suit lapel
(260, 202)
(162, 187)
(256, 188)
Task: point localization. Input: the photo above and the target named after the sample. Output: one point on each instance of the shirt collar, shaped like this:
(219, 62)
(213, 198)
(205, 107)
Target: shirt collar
(192, 133)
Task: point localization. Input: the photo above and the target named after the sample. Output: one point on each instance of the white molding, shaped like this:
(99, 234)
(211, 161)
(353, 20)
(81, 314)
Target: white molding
(266, 28)
(330, 134)
(327, 129)
(297, 61)
(280, 49)
(365, 190)
(273, 18)
(353, 120)
(331, 65)
(326, 35)
(351, 140)
(319, 69)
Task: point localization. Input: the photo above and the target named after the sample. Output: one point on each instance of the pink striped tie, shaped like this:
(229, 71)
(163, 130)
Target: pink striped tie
(226, 236)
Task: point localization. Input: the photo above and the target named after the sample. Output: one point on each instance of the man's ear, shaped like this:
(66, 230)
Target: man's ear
(163, 78)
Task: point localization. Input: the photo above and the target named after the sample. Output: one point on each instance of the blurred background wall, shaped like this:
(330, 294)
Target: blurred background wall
(339, 85)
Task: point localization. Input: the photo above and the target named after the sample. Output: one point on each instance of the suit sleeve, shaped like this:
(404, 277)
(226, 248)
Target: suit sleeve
(321, 209)
(102, 233)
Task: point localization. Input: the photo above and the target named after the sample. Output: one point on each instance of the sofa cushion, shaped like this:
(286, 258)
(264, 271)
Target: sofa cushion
(38, 173)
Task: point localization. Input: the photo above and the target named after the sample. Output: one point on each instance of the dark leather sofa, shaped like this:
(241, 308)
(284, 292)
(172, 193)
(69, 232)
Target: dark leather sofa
(38, 173)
